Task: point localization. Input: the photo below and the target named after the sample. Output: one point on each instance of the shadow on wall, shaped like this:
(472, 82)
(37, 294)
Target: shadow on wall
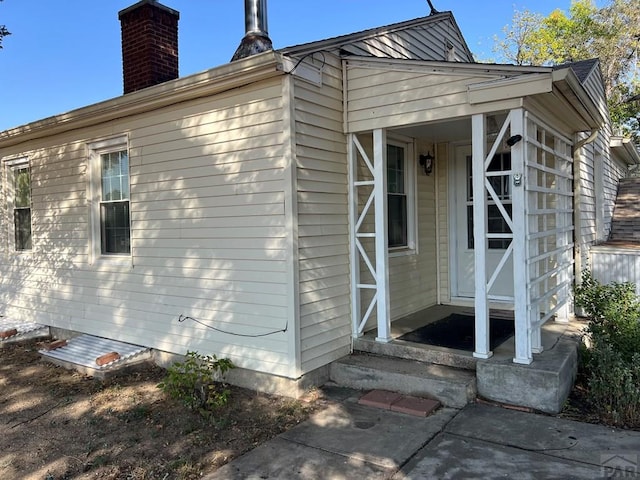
(208, 234)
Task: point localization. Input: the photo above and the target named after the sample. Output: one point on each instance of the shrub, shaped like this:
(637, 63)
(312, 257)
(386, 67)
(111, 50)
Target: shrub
(613, 311)
(193, 382)
(614, 386)
(611, 365)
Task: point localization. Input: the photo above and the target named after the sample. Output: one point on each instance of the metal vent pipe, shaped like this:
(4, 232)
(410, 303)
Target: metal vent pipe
(255, 17)
(256, 39)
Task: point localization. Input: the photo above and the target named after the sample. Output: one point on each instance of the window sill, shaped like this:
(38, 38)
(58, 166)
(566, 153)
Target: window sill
(402, 252)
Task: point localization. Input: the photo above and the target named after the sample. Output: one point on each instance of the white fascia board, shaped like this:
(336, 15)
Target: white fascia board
(436, 67)
(625, 149)
(210, 82)
(568, 77)
(511, 87)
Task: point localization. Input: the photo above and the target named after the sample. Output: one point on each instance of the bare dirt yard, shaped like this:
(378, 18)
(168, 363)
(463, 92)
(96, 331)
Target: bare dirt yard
(56, 424)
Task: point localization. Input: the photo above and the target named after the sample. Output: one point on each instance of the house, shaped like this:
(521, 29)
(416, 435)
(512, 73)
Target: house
(273, 209)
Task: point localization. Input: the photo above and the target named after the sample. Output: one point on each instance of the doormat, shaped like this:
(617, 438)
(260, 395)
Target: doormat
(458, 331)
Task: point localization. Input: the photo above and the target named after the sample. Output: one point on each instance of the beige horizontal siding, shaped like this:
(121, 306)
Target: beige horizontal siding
(443, 218)
(413, 278)
(590, 200)
(209, 237)
(382, 98)
(323, 235)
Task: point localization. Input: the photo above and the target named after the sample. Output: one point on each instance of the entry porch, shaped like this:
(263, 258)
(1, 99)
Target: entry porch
(454, 376)
(461, 194)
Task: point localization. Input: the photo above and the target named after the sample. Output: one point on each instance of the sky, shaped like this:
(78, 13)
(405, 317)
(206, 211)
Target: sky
(66, 55)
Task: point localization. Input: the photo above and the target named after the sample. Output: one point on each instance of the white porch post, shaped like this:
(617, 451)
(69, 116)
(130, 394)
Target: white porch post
(523, 352)
(479, 148)
(382, 242)
(353, 219)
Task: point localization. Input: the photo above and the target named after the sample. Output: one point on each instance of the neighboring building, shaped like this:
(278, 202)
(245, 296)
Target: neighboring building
(295, 198)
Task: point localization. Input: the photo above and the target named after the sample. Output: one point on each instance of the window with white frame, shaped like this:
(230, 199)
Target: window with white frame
(19, 179)
(109, 190)
(496, 223)
(400, 196)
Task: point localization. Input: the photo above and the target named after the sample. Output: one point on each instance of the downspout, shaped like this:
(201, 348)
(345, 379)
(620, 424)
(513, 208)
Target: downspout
(577, 224)
(437, 152)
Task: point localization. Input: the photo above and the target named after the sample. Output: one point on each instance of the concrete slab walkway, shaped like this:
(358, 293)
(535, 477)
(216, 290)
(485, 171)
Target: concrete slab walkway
(351, 441)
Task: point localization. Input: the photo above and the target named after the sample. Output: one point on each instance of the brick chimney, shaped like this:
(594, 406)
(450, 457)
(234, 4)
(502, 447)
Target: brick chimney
(149, 44)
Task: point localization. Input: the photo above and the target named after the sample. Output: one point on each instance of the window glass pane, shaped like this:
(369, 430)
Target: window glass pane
(395, 169)
(396, 197)
(124, 174)
(495, 221)
(114, 221)
(500, 162)
(22, 188)
(469, 179)
(22, 221)
(397, 220)
(115, 176)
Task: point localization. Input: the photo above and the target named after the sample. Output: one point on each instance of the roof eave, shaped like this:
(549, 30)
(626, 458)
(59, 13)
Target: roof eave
(574, 92)
(490, 70)
(625, 150)
(337, 42)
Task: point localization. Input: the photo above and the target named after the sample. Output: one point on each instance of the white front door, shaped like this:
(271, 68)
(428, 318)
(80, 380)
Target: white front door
(463, 279)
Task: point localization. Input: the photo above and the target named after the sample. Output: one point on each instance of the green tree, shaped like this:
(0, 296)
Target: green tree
(610, 33)
(3, 32)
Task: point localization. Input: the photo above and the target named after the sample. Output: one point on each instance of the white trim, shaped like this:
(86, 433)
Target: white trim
(94, 150)
(411, 188)
(523, 351)
(438, 66)
(482, 347)
(11, 165)
(354, 257)
(16, 161)
(356, 219)
(509, 88)
(291, 216)
(381, 240)
(109, 144)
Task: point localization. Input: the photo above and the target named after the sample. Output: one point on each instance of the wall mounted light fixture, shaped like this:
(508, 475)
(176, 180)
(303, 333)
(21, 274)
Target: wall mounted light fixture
(511, 141)
(426, 162)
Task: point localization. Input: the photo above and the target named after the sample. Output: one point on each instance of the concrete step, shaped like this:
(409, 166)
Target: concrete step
(416, 351)
(453, 387)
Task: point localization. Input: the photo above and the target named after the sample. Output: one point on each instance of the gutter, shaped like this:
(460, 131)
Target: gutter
(226, 77)
(629, 153)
